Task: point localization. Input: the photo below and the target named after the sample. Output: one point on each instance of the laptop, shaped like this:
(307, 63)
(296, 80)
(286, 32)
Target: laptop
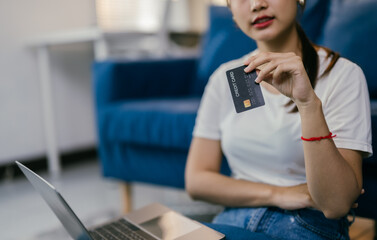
(153, 221)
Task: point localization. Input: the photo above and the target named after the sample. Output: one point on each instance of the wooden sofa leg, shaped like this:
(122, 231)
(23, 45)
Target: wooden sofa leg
(126, 190)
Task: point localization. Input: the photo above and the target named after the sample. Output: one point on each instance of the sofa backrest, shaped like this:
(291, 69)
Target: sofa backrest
(224, 41)
(314, 17)
(351, 30)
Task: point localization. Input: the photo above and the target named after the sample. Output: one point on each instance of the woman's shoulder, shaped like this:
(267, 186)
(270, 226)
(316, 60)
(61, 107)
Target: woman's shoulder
(341, 67)
(344, 75)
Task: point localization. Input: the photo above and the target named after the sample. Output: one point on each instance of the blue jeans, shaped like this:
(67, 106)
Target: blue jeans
(285, 224)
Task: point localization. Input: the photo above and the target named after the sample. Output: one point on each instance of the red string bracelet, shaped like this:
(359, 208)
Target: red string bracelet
(318, 138)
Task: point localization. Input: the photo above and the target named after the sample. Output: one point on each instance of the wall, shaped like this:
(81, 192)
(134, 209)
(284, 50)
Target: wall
(21, 117)
(21, 122)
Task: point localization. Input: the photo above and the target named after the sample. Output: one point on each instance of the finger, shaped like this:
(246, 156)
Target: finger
(264, 75)
(362, 191)
(261, 59)
(355, 205)
(284, 70)
(268, 69)
(252, 58)
(249, 60)
(279, 72)
(255, 64)
(268, 78)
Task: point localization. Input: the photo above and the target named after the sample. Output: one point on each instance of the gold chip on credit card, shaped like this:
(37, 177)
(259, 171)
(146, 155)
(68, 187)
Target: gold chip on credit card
(247, 103)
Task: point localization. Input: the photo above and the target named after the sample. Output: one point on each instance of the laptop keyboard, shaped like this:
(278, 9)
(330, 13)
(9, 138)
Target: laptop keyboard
(120, 229)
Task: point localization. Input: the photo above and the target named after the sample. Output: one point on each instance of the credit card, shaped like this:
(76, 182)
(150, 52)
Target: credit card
(246, 93)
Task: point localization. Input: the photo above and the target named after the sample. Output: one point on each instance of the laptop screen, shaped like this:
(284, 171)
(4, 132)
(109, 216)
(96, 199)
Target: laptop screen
(56, 202)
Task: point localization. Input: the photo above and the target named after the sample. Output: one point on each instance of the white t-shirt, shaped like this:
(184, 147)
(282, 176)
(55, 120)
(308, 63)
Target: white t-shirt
(264, 144)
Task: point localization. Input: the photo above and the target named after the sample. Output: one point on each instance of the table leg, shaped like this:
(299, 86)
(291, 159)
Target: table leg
(101, 51)
(48, 113)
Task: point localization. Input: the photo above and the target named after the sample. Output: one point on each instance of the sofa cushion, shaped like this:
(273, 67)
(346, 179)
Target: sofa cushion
(367, 201)
(166, 123)
(351, 30)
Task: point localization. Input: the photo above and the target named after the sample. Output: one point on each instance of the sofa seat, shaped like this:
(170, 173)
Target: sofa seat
(166, 123)
(157, 130)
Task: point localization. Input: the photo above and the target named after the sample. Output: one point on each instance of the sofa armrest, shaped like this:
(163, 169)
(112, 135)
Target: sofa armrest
(373, 109)
(117, 81)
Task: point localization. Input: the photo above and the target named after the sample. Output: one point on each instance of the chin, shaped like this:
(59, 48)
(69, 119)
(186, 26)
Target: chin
(262, 35)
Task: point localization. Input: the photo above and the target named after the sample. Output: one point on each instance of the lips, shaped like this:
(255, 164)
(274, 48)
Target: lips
(262, 19)
(262, 22)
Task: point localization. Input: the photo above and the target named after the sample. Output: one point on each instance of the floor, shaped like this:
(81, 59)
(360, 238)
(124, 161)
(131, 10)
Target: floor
(362, 229)
(25, 216)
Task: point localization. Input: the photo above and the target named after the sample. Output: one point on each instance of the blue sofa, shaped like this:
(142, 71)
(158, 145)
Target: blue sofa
(145, 110)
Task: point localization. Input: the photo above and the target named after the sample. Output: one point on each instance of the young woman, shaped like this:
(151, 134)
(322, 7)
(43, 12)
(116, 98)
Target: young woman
(296, 162)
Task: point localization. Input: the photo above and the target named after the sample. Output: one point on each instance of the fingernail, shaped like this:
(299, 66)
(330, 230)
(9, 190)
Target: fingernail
(257, 80)
(246, 69)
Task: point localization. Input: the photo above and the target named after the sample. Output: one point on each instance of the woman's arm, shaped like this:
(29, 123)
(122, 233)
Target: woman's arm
(204, 182)
(334, 176)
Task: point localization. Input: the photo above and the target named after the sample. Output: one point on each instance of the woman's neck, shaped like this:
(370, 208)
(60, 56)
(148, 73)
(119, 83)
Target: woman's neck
(288, 41)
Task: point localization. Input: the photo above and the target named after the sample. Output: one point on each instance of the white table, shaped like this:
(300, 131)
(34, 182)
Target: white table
(42, 44)
(101, 52)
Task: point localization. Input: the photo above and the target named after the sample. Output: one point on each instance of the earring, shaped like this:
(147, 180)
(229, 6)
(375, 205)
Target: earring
(301, 2)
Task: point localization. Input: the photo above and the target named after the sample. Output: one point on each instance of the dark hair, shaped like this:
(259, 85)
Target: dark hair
(311, 60)
(310, 57)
